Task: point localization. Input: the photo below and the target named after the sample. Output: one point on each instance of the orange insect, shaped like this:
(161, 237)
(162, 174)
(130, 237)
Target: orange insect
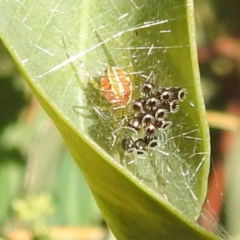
(117, 86)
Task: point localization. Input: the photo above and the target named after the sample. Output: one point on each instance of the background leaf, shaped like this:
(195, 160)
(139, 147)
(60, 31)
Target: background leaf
(147, 39)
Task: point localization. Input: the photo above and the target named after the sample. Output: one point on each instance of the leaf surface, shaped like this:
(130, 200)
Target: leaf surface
(61, 47)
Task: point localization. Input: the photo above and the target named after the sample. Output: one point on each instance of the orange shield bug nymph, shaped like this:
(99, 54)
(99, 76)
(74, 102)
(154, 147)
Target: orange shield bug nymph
(116, 86)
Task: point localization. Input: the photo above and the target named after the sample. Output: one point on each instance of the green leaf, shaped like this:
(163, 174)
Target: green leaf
(60, 46)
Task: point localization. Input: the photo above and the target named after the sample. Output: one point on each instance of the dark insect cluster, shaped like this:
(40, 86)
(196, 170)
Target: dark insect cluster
(150, 114)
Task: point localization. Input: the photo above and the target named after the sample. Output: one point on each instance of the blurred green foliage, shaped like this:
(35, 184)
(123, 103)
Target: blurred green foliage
(34, 160)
